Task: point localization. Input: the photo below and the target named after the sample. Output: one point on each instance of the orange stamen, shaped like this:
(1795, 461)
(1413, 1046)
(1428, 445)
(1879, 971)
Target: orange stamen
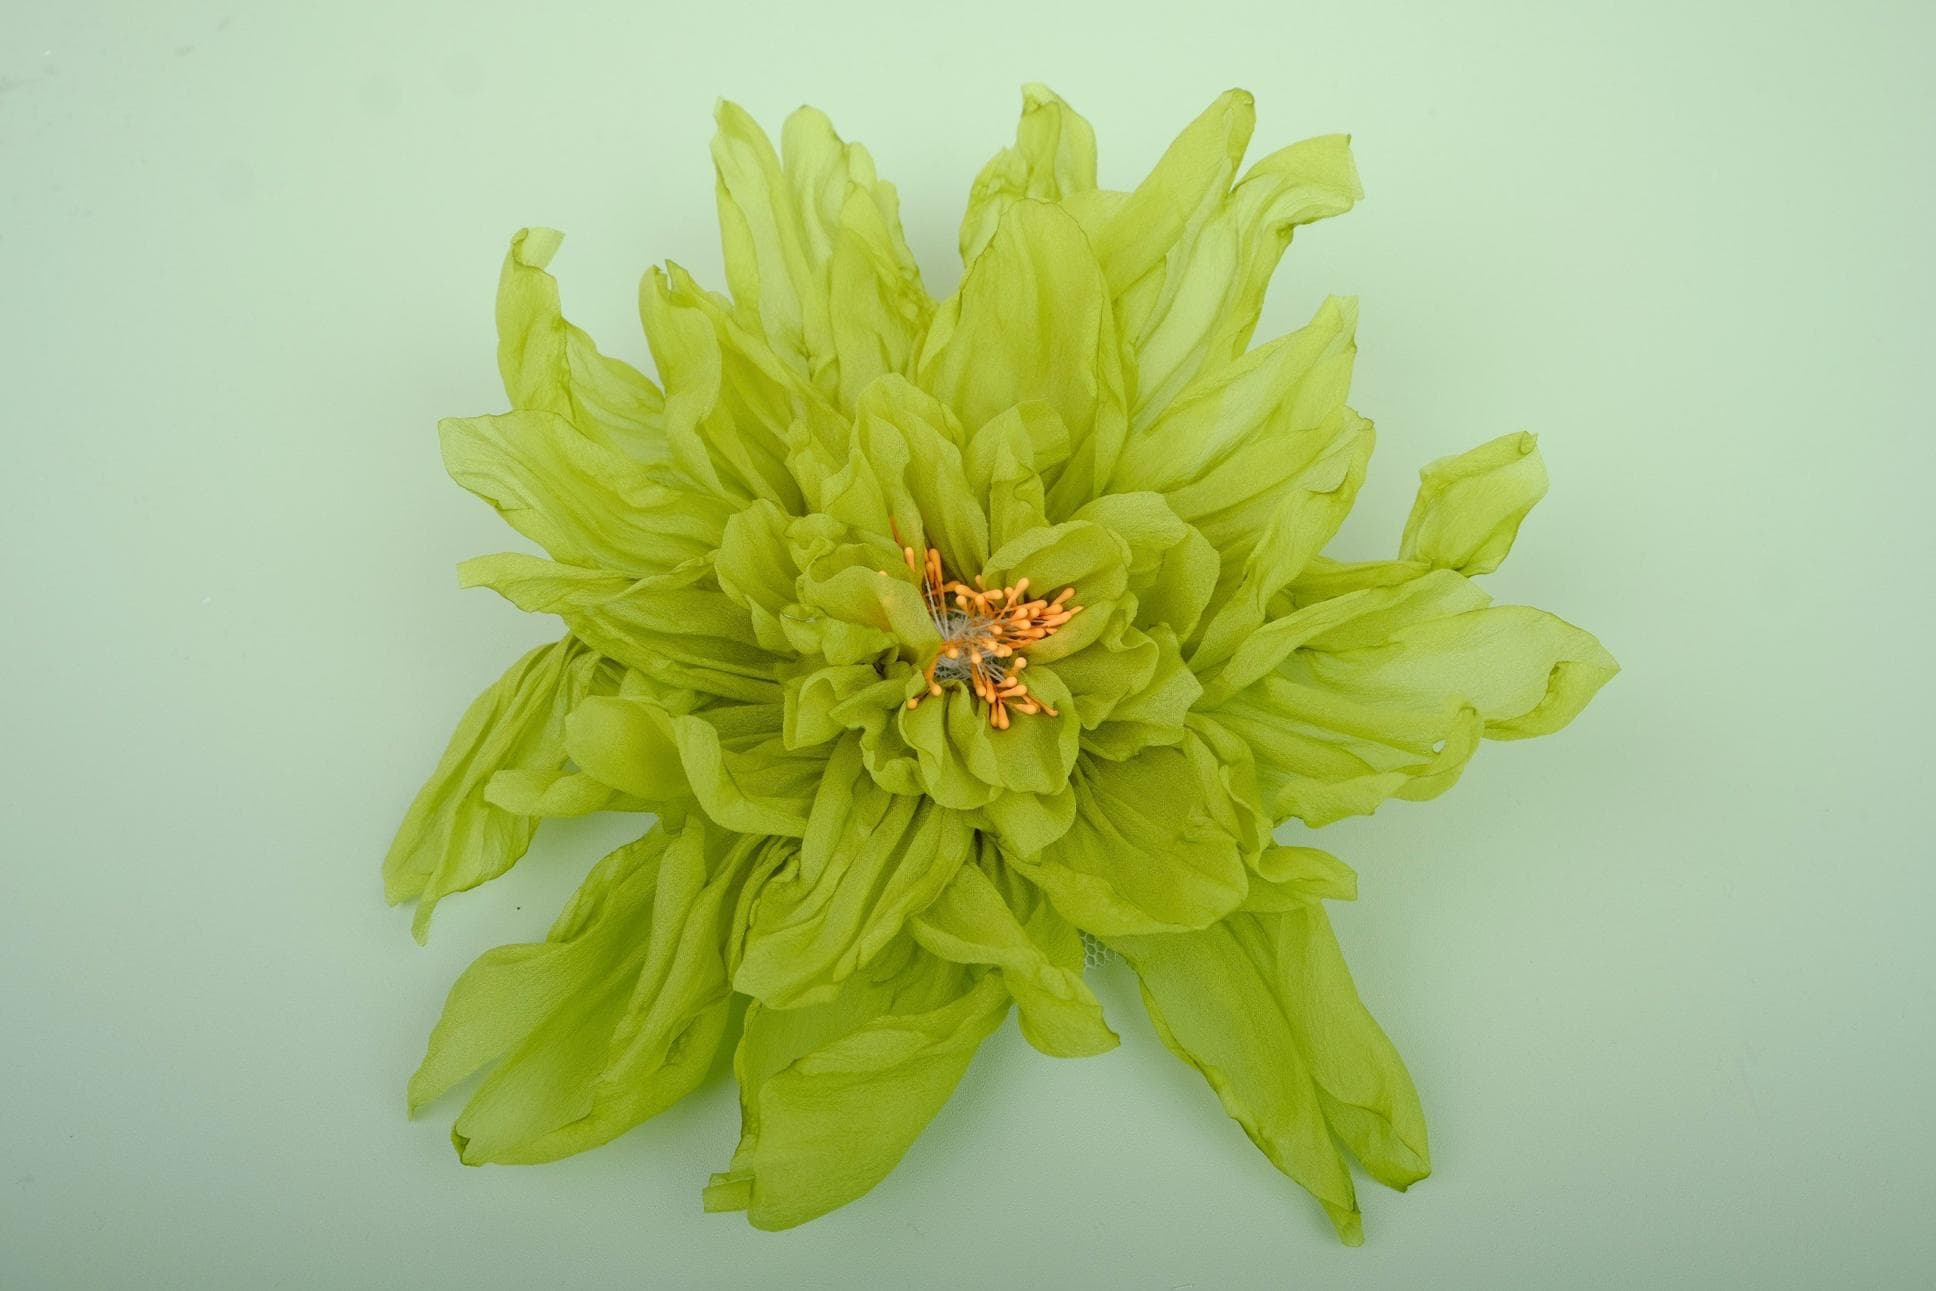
(982, 629)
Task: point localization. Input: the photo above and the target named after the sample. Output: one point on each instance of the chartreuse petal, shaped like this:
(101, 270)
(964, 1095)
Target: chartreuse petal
(668, 627)
(1465, 518)
(1157, 845)
(1387, 691)
(584, 503)
(1525, 671)
(1313, 503)
(814, 251)
(1032, 320)
(914, 445)
(550, 366)
(1172, 567)
(555, 793)
(1004, 464)
(730, 759)
(1054, 157)
(1182, 191)
(985, 916)
(1470, 506)
(1155, 712)
(868, 861)
(452, 838)
(1354, 619)
(1288, 878)
(732, 402)
(754, 567)
(833, 1094)
(1225, 454)
(1199, 312)
(1187, 255)
(611, 1019)
(1263, 1006)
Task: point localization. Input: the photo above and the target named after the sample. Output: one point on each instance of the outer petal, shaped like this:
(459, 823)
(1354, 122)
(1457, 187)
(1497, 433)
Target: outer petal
(669, 627)
(973, 922)
(1184, 190)
(731, 403)
(1386, 691)
(869, 860)
(557, 793)
(550, 366)
(832, 1095)
(730, 759)
(1033, 321)
(1226, 454)
(452, 839)
(584, 503)
(612, 1019)
(1263, 1006)
(1199, 311)
(814, 251)
(1470, 506)
(1054, 157)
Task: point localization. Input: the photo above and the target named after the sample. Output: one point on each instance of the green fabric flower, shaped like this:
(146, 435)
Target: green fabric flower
(937, 637)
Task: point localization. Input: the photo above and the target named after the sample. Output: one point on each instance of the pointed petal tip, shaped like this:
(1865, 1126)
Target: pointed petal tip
(533, 245)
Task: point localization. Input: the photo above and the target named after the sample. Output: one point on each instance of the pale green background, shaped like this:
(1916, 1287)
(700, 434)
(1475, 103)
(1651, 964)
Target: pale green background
(1665, 979)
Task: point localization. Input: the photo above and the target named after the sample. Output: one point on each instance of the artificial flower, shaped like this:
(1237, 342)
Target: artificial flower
(938, 641)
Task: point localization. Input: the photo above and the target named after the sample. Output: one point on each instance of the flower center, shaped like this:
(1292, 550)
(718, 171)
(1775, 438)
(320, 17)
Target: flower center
(983, 630)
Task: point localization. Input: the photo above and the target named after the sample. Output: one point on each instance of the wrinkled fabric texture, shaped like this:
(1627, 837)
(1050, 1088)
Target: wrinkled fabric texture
(851, 867)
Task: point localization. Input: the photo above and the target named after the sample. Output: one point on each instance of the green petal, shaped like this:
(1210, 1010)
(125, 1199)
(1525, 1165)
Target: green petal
(1054, 157)
(1079, 554)
(1263, 1006)
(814, 251)
(832, 1095)
(868, 861)
(1004, 464)
(731, 759)
(1226, 454)
(1470, 506)
(555, 793)
(754, 569)
(1198, 313)
(823, 704)
(1172, 567)
(912, 445)
(1356, 620)
(1155, 713)
(1289, 878)
(1307, 512)
(550, 366)
(1157, 845)
(1387, 691)
(612, 1019)
(1027, 823)
(452, 838)
(1038, 952)
(584, 503)
(1527, 672)
(731, 402)
(668, 627)
(1033, 321)
(1184, 189)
